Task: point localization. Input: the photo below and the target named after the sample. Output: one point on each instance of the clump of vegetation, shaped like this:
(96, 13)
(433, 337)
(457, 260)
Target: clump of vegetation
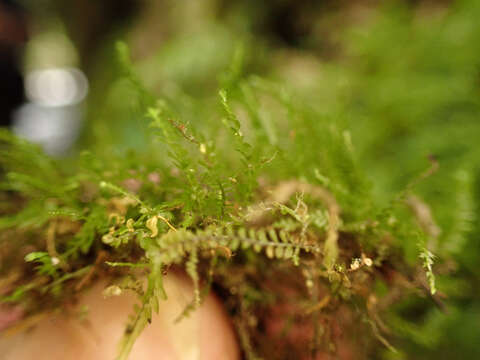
(247, 203)
(250, 185)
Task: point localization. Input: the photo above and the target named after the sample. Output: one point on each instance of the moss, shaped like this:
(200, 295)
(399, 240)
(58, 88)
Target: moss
(259, 194)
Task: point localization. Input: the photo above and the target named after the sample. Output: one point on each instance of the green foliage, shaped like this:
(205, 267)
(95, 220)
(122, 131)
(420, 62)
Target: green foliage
(327, 190)
(47, 264)
(428, 258)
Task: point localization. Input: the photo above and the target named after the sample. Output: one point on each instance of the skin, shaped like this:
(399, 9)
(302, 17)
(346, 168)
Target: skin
(205, 334)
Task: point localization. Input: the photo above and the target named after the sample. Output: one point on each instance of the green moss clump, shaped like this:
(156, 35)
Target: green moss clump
(255, 184)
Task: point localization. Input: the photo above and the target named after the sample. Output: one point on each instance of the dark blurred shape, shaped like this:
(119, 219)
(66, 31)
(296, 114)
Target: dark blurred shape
(292, 21)
(13, 35)
(91, 24)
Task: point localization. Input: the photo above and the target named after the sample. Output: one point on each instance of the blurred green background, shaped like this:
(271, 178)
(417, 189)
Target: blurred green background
(402, 76)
